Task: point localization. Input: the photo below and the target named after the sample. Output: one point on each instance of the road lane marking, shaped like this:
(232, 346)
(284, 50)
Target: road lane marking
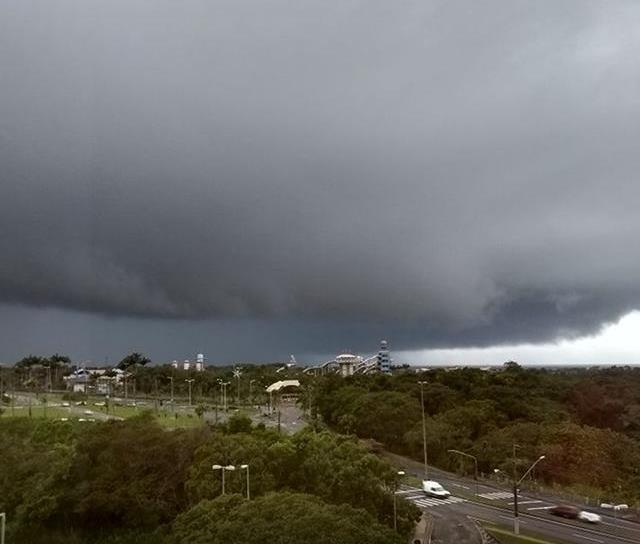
(459, 485)
(527, 502)
(588, 538)
(495, 495)
(546, 519)
(540, 508)
(429, 502)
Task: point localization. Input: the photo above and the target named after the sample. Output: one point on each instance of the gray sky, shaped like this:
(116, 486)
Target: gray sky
(252, 179)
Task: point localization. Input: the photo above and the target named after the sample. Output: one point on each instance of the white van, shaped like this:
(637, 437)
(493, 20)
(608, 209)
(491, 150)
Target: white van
(434, 489)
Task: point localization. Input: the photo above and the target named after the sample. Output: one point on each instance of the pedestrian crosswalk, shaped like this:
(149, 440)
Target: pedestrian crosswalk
(421, 500)
(430, 502)
(496, 495)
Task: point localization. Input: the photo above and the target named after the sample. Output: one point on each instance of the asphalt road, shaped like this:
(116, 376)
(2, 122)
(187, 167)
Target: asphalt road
(491, 506)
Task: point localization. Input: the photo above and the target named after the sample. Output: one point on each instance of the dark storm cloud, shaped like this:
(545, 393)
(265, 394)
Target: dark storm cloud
(449, 172)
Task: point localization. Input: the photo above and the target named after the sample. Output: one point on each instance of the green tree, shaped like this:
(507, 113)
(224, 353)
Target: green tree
(132, 360)
(286, 518)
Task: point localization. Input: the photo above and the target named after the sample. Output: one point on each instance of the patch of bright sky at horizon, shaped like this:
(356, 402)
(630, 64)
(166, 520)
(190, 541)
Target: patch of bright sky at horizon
(616, 343)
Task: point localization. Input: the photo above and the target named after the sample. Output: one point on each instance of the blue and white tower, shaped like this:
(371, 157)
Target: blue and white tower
(384, 358)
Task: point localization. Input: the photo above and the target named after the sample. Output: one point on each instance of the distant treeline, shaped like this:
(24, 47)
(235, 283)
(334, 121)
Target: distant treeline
(586, 421)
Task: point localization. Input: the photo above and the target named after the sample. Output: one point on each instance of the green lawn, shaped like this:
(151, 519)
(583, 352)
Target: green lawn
(166, 418)
(505, 536)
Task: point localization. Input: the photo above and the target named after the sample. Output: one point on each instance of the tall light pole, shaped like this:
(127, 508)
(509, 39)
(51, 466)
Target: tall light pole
(224, 394)
(246, 467)
(251, 391)
(424, 432)
(516, 520)
(190, 381)
(475, 460)
(223, 468)
(395, 499)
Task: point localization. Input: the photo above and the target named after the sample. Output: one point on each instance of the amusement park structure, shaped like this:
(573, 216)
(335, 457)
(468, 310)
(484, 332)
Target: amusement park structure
(347, 364)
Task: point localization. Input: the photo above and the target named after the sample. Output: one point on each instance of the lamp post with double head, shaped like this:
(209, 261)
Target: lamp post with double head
(190, 381)
(223, 468)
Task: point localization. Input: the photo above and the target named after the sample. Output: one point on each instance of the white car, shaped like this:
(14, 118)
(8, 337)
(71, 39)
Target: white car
(434, 489)
(589, 517)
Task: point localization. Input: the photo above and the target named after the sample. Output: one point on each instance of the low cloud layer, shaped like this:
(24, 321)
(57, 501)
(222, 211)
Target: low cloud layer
(451, 173)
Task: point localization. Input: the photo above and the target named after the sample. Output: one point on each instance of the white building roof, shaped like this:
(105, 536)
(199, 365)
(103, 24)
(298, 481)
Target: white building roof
(282, 384)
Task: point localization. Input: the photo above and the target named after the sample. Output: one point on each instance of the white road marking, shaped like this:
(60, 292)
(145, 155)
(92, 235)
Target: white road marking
(527, 502)
(429, 502)
(460, 485)
(540, 508)
(588, 538)
(494, 495)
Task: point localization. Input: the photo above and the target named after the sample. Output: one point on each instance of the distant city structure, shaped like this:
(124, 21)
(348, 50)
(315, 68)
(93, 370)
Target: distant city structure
(198, 365)
(348, 364)
(384, 358)
(199, 362)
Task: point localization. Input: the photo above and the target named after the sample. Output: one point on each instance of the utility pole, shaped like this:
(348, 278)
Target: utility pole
(424, 432)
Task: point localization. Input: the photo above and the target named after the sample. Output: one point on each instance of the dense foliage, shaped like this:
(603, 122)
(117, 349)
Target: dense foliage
(586, 422)
(285, 518)
(125, 482)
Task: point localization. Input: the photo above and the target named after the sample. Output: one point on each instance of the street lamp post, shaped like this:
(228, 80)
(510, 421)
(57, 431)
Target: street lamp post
(171, 378)
(516, 519)
(424, 431)
(190, 381)
(223, 468)
(251, 391)
(223, 391)
(395, 499)
(246, 467)
(475, 461)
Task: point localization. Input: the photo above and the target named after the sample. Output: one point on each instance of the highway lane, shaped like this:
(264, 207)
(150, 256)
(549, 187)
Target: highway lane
(538, 521)
(528, 502)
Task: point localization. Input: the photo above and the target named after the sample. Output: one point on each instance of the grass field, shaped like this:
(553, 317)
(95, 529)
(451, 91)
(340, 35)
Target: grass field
(505, 536)
(168, 419)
